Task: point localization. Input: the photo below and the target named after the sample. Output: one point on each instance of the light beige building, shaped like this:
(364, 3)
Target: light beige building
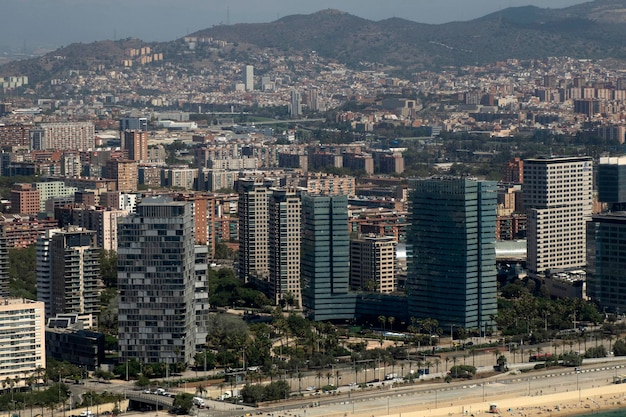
(324, 184)
(558, 198)
(22, 339)
(284, 247)
(75, 136)
(253, 230)
(373, 263)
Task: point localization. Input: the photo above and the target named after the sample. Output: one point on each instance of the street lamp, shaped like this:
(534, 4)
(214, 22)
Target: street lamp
(127, 360)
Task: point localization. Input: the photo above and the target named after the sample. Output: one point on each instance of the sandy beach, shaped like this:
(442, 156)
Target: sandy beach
(564, 404)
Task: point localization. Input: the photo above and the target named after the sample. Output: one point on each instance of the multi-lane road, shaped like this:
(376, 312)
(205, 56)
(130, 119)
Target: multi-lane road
(383, 400)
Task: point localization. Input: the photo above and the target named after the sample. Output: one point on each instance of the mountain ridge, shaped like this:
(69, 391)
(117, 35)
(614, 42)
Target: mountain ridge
(592, 30)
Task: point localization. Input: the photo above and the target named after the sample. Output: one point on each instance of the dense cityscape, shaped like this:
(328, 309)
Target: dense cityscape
(208, 227)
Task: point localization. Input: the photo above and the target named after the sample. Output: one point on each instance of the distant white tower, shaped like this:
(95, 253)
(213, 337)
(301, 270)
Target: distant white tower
(296, 103)
(248, 77)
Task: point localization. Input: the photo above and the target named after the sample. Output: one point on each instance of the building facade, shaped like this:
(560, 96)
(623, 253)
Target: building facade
(373, 263)
(25, 199)
(558, 198)
(248, 77)
(135, 143)
(284, 247)
(68, 272)
(125, 172)
(606, 244)
(52, 189)
(611, 182)
(451, 252)
(156, 279)
(22, 339)
(253, 213)
(325, 259)
(76, 136)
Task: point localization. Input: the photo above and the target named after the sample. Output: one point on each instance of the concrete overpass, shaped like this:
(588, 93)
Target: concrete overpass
(140, 401)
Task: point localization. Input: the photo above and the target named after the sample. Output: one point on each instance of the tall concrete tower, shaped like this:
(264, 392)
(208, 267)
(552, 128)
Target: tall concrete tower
(68, 272)
(558, 197)
(248, 77)
(156, 278)
(284, 246)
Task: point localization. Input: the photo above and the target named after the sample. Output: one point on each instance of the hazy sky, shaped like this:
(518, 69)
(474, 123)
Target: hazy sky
(52, 23)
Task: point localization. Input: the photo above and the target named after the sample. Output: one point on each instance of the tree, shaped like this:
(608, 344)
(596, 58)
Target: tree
(382, 320)
(222, 251)
(437, 363)
(619, 347)
(204, 360)
(513, 349)
(108, 267)
(502, 363)
(572, 359)
(276, 391)
(463, 371)
(183, 402)
(22, 278)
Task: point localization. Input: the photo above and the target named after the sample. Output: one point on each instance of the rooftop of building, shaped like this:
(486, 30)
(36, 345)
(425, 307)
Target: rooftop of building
(17, 301)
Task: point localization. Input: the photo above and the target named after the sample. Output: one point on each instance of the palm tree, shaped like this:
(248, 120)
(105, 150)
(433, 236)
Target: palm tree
(437, 363)
(300, 376)
(39, 371)
(454, 359)
(428, 365)
(357, 368)
(382, 320)
(391, 320)
(200, 390)
(513, 349)
(328, 376)
(319, 377)
(473, 353)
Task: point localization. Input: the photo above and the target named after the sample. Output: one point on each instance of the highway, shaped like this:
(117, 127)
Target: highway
(383, 400)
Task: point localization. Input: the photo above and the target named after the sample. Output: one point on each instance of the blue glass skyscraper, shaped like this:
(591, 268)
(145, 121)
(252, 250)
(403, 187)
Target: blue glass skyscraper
(451, 251)
(325, 259)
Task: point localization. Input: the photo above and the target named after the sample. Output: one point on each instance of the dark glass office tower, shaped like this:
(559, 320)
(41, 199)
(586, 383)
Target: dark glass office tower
(451, 252)
(606, 239)
(325, 259)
